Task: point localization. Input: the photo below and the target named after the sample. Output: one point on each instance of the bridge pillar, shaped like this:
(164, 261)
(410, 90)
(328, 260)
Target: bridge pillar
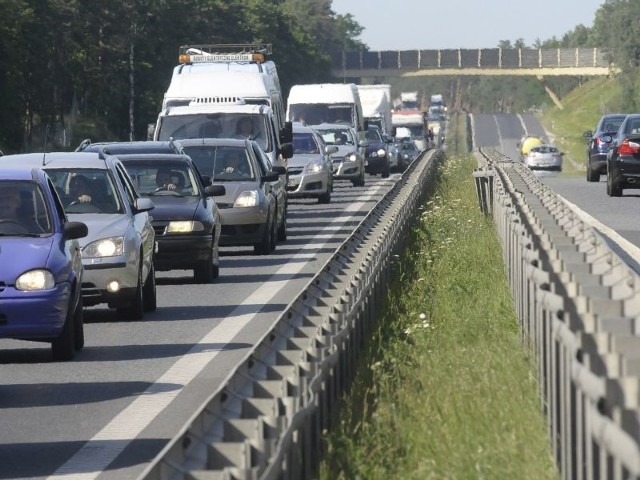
(552, 95)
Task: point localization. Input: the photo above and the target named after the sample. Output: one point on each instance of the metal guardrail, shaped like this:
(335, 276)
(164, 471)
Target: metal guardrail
(578, 304)
(587, 61)
(267, 420)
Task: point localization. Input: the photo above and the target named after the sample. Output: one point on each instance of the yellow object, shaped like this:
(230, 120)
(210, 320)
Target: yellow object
(528, 143)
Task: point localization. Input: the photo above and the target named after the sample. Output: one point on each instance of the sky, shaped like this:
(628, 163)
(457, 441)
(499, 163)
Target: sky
(426, 24)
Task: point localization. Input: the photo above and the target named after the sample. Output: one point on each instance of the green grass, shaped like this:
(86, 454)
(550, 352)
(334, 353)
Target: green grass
(446, 391)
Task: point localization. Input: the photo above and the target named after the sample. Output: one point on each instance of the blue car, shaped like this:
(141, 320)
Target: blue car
(40, 264)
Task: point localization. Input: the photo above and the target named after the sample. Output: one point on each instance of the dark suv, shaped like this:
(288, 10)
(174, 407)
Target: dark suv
(376, 154)
(597, 148)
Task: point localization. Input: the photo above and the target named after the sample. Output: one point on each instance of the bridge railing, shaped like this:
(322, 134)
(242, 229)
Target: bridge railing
(490, 58)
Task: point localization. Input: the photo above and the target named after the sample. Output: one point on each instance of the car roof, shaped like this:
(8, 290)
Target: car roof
(57, 159)
(336, 126)
(113, 148)
(301, 128)
(15, 172)
(219, 142)
(156, 157)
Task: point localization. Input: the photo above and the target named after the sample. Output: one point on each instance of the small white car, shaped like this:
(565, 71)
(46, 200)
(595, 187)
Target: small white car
(544, 157)
(348, 163)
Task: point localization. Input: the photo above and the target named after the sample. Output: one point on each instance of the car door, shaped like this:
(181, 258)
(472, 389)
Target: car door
(278, 188)
(141, 221)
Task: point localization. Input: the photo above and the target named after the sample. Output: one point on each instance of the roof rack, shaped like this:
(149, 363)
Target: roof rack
(224, 52)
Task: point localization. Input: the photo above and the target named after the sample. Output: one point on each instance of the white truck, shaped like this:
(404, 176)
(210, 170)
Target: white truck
(409, 100)
(376, 106)
(413, 122)
(318, 103)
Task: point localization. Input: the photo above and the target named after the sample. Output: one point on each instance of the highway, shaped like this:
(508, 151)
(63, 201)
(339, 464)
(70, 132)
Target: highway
(134, 384)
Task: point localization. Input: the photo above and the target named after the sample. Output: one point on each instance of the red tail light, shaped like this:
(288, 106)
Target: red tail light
(628, 148)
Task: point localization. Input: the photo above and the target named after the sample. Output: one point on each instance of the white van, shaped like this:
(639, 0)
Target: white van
(226, 72)
(217, 119)
(318, 103)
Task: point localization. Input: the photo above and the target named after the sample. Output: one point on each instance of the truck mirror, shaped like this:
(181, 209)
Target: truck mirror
(286, 133)
(286, 150)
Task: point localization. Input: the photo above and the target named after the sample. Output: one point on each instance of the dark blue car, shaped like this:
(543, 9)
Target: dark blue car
(40, 264)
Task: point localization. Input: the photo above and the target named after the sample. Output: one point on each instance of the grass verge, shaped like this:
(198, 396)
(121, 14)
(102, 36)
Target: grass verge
(446, 390)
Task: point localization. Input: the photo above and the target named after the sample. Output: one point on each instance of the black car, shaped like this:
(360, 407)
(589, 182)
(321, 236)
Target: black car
(376, 154)
(623, 158)
(186, 219)
(597, 148)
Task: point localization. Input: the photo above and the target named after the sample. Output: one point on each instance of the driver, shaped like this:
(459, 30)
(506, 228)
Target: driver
(164, 180)
(235, 164)
(9, 203)
(80, 189)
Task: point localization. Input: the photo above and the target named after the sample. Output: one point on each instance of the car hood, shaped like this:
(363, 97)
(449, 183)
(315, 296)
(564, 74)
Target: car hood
(302, 159)
(233, 189)
(20, 254)
(344, 150)
(101, 225)
(169, 207)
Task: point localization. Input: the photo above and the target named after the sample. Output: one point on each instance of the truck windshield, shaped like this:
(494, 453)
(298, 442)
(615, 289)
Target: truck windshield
(216, 125)
(317, 113)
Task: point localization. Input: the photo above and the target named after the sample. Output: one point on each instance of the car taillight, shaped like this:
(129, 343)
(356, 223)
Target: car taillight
(628, 148)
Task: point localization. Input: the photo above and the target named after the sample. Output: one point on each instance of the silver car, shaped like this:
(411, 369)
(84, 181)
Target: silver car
(544, 157)
(117, 254)
(347, 162)
(310, 169)
(253, 210)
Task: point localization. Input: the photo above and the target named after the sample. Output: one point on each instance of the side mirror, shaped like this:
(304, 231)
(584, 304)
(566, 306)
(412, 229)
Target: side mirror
(286, 134)
(74, 230)
(270, 177)
(606, 138)
(587, 134)
(279, 170)
(330, 149)
(215, 190)
(143, 205)
(286, 150)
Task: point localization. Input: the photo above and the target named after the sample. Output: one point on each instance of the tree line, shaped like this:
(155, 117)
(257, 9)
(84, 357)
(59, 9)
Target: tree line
(95, 68)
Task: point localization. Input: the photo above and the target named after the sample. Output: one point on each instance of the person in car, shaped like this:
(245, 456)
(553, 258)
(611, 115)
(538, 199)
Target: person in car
(80, 190)
(11, 214)
(235, 165)
(164, 181)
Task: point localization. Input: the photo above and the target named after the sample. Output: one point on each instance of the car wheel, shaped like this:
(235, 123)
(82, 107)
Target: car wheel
(78, 336)
(386, 172)
(204, 273)
(325, 197)
(615, 189)
(149, 297)
(591, 175)
(63, 346)
(274, 232)
(216, 258)
(135, 310)
(282, 229)
(264, 246)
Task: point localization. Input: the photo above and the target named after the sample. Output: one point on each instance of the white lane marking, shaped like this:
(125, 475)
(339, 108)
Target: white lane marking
(626, 245)
(108, 443)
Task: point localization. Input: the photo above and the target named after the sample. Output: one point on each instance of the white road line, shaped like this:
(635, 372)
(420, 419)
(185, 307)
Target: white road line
(108, 443)
(626, 245)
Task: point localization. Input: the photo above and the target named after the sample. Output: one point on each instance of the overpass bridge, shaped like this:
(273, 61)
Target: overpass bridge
(539, 62)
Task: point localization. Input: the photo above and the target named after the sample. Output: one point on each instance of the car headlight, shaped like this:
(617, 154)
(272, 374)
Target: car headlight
(35, 280)
(379, 153)
(248, 198)
(314, 167)
(351, 158)
(106, 247)
(185, 227)
(406, 155)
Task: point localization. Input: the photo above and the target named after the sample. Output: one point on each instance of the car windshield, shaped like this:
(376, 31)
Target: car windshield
(84, 190)
(222, 163)
(332, 136)
(304, 143)
(162, 178)
(23, 209)
(216, 125)
(317, 113)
